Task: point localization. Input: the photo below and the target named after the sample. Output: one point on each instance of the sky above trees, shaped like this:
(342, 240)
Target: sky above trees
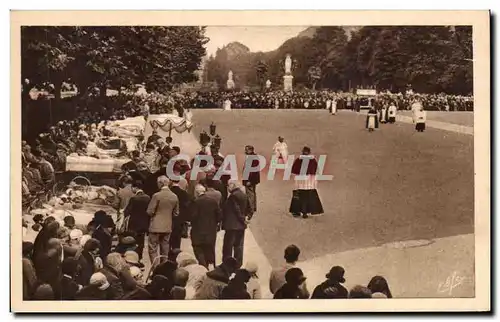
(257, 38)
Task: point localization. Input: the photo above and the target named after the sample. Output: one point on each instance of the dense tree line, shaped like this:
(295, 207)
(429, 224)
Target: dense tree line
(431, 59)
(110, 57)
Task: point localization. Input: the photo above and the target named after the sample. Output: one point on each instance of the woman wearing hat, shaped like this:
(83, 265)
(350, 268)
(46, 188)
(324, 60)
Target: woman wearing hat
(332, 287)
(236, 289)
(253, 285)
(44, 292)
(98, 289)
(292, 288)
(378, 284)
(188, 262)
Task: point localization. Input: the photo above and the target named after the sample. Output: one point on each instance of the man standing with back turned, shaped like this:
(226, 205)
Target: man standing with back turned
(253, 179)
(235, 216)
(164, 205)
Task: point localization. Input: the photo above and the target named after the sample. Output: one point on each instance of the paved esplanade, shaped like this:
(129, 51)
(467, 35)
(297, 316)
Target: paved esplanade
(401, 203)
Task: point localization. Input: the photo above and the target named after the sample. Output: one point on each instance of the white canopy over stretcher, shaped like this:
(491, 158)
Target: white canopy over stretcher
(179, 128)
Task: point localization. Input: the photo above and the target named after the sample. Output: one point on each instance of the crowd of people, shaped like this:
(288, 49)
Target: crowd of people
(87, 110)
(67, 264)
(321, 99)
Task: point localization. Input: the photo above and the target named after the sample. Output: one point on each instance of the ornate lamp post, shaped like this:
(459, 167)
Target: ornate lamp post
(213, 127)
(204, 138)
(217, 141)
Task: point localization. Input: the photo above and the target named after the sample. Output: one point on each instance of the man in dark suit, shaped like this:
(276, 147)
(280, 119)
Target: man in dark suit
(253, 178)
(205, 218)
(221, 183)
(138, 218)
(164, 205)
(104, 234)
(235, 215)
(179, 222)
(212, 190)
(150, 186)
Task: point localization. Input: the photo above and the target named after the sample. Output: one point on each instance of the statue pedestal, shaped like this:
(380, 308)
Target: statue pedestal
(230, 84)
(287, 83)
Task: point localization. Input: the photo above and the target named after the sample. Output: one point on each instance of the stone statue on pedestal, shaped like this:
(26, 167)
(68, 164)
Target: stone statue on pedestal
(288, 78)
(288, 64)
(230, 81)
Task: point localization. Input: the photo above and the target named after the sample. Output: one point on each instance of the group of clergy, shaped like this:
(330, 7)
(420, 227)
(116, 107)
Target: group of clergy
(388, 115)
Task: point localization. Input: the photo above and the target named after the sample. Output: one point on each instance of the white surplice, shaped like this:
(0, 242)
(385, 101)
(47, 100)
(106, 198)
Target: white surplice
(281, 149)
(420, 116)
(334, 107)
(392, 111)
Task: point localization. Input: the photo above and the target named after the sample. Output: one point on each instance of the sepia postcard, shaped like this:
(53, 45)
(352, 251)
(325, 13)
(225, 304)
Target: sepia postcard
(250, 161)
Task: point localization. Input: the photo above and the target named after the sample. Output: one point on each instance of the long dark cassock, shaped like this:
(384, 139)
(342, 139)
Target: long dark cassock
(305, 199)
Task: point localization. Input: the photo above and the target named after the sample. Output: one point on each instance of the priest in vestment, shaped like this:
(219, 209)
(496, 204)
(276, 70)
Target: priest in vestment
(383, 114)
(333, 110)
(420, 118)
(372, 120)
(227, 104)
(305, 199)
(280, 150)
(392, 113)
(415, 107)
(329, 104)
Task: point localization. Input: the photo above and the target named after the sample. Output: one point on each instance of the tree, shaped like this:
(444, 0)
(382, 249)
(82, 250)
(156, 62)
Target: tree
(46, 53)
(216, 67)
(261, 71)
(458, 76)
(428, 54)
(159, 57)
(393, 57)
(328, 54)
(314, 75)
